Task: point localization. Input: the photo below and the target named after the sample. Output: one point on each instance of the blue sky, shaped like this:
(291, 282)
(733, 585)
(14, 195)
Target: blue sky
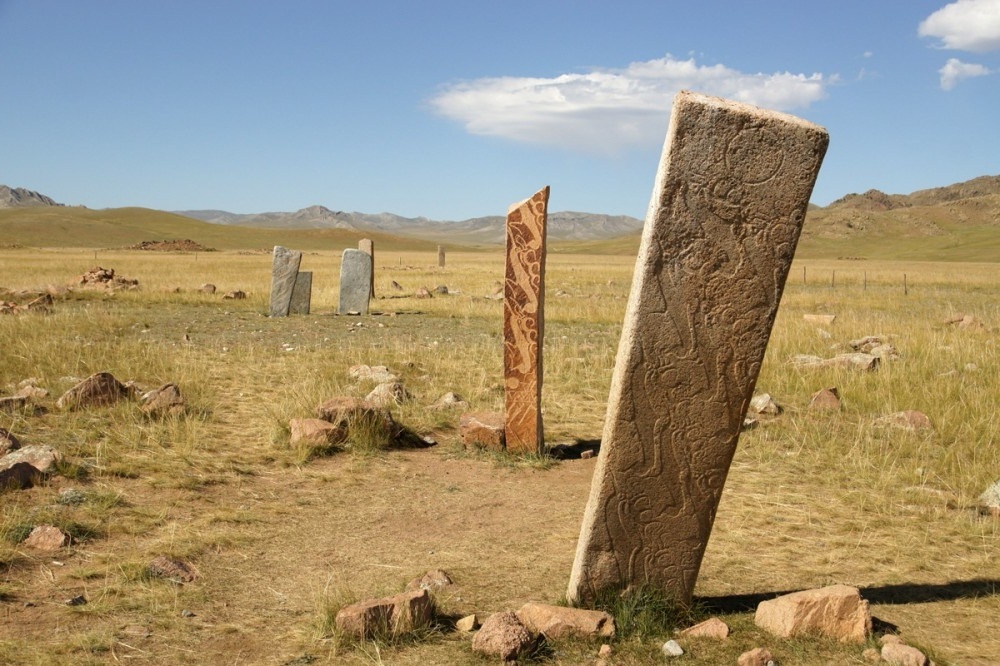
(453, 110)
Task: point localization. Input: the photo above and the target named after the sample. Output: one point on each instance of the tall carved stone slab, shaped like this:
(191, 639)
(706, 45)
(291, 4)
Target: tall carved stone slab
(523, 323)
(301, 300)
(368, 245)
(284, 268)
(440, 256)
(355, 282)
(727, 208)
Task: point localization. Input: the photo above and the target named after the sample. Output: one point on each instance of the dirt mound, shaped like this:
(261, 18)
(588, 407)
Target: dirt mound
(185, 245)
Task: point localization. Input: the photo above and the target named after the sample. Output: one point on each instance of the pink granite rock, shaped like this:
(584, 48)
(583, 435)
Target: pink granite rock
(837, 611)
(555, 622)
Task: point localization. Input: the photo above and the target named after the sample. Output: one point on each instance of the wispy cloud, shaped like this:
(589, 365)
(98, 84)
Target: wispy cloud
(965, 25)
(609, 110)
(955, 70)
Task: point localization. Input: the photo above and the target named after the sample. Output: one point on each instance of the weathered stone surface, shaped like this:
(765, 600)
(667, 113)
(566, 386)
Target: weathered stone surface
(423, 292)
(441, 290)
(22, 467)
(316, 432)
(989, 501)
(235, 295)
(764, 404)
(344, 411)
(31, 391)
(440, 256)
(719, 237)
(301, 300)
(393, 615)
(837, 611)
(163, 401)
(389, 393)
(284, 268)
(433, 579)
(710, 628)
(827, 398)
(899, 654)
(367, 245)
(207, 288)
(671, 649)
(8, 442)
(555, 622)
(524, 323)
(909, 419)
(503, 635)
(483, 429)
(99, 389)
(755, 657)
(355, 282)
(46, 538)
(173, 569)
(851, 361)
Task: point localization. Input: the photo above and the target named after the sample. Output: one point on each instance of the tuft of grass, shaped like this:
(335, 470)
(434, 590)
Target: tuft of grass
(643, 612)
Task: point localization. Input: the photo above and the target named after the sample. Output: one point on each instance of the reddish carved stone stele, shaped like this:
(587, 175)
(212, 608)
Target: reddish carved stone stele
(728, 204)
(523, 323)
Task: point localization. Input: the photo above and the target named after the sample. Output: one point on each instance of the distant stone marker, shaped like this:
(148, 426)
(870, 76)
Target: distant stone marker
(730, 196)
(523, 323)
(355, 282)
(440, 256)
(284, 268)
(301, 299)
(368, 245)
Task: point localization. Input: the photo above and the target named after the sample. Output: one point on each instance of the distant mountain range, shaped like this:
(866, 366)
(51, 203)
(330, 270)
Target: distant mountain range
(18, 197)
(479, 230)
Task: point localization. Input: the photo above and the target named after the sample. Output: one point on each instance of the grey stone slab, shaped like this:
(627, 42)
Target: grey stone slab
(727, 207)
(440, 256)
(355, 281)
(524, 323)
(301, 300)
(284, 268)
(368, 245)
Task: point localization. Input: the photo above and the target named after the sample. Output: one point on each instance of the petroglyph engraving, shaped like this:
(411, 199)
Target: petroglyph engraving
(727, 207)
(523, 323)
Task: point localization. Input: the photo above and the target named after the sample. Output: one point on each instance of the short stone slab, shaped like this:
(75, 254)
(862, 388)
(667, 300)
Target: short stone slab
(343, 411)
(503, 635)
(95, 391)
(482, 429)
(710, 628)
(47, 538)
(395, 615)
(852, 361)
(355, 282)
(555, 622)
(301, 300)
(837, 611)
(284, 269)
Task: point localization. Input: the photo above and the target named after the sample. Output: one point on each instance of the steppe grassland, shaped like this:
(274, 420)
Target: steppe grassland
(812, 498)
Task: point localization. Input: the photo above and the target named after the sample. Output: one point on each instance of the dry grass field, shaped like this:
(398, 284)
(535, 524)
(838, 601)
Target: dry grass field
(282, 536)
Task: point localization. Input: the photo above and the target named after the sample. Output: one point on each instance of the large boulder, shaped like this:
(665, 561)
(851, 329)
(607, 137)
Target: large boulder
(837, 611)
(393, 615)
(503, 635)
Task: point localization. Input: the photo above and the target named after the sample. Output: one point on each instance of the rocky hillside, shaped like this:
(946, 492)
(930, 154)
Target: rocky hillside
(18, 196)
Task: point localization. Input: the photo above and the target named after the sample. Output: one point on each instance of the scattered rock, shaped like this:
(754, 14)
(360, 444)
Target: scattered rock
(396, 286)
(315, 432)
(173, 569)
(395, 615)
(18, 476)
(30, 392)
(989, 501)
(441, 289)
(43, 458)
(909, 419)
(423, 292)
(47, 538)
(587, 454)
(433, 579)
(828, 398)
(389, 393)
(450, 401)
(482, 429)
(8, 442)
(755, 657)
(555, 622)
(710, 628)
(605, 651)
(163, 401)
(837, 611)
(375, 373)
(900, 654)
(78, 600)
(106, 278)
(467, 624)
(502, 635)
(207, 288)
(235, 295)
(824, 319)
(764, 404)
(342, 411)
(99, 389)
(672, 649)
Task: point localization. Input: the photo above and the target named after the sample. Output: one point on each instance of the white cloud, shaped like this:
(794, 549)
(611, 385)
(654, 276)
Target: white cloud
(955, 70)
(966, 25)
(608, 110)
